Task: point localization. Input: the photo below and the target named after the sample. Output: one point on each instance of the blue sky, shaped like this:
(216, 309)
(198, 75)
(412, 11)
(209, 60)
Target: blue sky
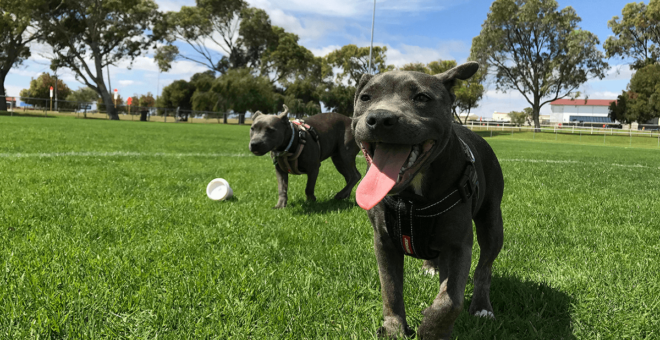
(413, 31)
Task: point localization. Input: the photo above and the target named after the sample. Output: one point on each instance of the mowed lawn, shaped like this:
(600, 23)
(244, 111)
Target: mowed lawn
(106, 232)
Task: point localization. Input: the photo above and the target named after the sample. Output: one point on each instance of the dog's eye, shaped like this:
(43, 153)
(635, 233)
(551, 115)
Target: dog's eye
(365, 97)
(422, 98)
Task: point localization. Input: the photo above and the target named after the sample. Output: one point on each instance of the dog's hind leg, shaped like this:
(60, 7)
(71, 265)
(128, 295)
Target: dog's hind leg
(345, 164)
(490, 236)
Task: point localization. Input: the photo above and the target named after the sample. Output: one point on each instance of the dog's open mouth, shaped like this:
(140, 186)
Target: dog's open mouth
(392, 168)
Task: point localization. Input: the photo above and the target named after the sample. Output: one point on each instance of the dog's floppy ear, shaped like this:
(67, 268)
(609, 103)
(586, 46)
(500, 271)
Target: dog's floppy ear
(255, 115)
(284, 114)
(462, 72)
(363, 81)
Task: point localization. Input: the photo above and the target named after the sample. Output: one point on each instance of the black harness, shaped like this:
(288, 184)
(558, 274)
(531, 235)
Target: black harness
(287, 159)
(410, 221)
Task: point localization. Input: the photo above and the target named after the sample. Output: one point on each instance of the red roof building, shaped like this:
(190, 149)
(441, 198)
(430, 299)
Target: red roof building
(589, 111)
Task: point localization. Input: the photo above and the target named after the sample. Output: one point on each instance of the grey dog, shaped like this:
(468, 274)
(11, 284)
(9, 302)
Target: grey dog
(428, 179)
(276, 133)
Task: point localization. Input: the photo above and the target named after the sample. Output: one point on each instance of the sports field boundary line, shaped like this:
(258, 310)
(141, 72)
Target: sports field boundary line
(117, 154)
(509, 139)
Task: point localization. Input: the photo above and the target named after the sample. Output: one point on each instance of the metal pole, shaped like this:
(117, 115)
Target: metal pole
(56, 91)
(371, 47)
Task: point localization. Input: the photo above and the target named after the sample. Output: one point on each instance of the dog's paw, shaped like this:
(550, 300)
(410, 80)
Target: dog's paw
(279, 206)
(342, 195)
(383, 333)
(485, 314)
(430, 271)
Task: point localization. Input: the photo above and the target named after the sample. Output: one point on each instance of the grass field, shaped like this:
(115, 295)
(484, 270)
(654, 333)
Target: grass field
(106, 232)
(132, 117)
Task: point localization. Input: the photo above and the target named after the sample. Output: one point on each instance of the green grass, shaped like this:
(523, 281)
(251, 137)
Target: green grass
(106, 232)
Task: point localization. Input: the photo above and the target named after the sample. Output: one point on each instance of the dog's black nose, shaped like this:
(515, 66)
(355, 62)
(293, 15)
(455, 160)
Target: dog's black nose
(381, 119)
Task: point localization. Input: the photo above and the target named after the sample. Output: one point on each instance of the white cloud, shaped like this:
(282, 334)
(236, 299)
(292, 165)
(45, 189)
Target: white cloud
(619, 72)
(351, 8)
(409, 54)
(13, 90)
(323, 51)
(126, 82)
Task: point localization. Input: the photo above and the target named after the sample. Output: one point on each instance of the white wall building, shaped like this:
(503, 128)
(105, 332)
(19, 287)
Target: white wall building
(591, 111)
(501, 116)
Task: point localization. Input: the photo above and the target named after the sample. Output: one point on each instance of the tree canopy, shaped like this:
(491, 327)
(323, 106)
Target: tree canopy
(537, 50)
(40, 88)
(641, 102)
(88, 35)
(636, 34)
(17, 31)
(354, 62)
(83, 94)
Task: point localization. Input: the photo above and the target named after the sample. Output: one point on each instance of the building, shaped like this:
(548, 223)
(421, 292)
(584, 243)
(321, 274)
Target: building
(584, 111)
(504, 117)
(501, 117)
(11, 102)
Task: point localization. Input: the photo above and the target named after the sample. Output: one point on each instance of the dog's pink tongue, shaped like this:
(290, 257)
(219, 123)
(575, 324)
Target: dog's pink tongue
(383, 172)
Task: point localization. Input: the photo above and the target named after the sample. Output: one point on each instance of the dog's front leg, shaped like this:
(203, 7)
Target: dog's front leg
(311, 183)
(390, 270)
(282, 187)
(454, 267)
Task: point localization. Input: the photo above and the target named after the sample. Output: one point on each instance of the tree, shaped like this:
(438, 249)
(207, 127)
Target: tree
(216, 22)
(642, 102)
(339, 98)
(518, 117)
(40, 90)
(537, 50)
(178, 95)
(636, 34)
(618, 110)
(204, 99)
(147, 100)
(17, 31)
(468, 94)
(82, 99)
(88, 35)
(417, 67)
(354, 62)
(239, 90)
(116, 105)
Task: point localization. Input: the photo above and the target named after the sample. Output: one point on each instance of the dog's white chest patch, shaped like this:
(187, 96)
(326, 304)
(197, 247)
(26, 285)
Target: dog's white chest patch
(417, 183)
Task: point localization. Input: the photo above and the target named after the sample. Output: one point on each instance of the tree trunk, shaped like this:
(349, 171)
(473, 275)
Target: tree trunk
(536, 110)
(537, 122)
(3, 95)
(109, 105)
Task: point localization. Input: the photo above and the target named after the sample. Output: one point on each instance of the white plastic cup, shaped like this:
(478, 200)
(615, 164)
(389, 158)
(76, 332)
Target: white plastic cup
(219, 190)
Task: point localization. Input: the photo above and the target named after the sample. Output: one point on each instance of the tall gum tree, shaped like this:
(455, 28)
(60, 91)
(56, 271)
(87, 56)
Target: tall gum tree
(636, 34)
(538, 50)
(88, 35)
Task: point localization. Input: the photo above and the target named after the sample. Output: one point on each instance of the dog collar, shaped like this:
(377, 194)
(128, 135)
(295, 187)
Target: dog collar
(293, 135)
